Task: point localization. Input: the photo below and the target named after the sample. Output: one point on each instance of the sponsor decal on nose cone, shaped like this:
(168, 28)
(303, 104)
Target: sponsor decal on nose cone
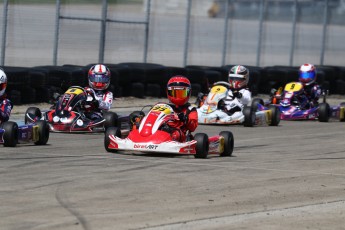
(145, 146)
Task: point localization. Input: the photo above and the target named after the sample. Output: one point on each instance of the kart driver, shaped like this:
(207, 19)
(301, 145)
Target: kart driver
(5, 104)
(178, 92)
(238, 80)
(99, 98)
(307, 76)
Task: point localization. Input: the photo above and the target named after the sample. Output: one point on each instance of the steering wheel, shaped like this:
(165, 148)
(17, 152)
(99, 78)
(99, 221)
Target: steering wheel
(223, 83)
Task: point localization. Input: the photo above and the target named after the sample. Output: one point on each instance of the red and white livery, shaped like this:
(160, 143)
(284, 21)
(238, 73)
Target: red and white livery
(154, 135)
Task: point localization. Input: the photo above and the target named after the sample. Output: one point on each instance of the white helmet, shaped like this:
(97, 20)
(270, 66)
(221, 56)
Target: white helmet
(307, 74)
(99, 77)
(3, 82)
(238, 77)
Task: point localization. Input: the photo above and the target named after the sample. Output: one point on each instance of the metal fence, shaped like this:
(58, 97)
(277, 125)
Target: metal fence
(173, 32)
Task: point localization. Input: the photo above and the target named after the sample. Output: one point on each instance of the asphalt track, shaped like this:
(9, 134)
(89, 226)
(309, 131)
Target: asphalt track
(286, 177)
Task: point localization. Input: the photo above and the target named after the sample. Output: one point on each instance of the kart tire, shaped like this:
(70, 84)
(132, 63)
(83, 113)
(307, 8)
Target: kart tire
(249, 116)
(342, 105)
(111, 131)
(228, 143)
(324, 111)
(32, 112)
(111, 120)
(201, 145)
(275, 113)
(255, 103)
(43, 132)
(11, 133)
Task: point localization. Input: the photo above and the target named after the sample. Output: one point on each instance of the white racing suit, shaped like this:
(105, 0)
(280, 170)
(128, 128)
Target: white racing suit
(236, 100)
(97, 101)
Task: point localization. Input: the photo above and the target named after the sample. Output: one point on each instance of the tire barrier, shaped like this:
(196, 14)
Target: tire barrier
(38, 84)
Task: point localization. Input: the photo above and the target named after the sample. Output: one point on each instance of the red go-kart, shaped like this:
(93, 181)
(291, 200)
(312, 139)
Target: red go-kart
(67, 115)
(152, 135)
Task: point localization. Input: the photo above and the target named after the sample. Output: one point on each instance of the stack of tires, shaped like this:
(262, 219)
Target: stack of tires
(39, 83)
(19, 87)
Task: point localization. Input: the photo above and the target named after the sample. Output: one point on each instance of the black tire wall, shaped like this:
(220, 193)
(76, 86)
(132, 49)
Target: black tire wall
(38, 84)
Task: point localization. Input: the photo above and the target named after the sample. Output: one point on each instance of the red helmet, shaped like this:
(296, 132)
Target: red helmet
(99, 77)
(179, 90)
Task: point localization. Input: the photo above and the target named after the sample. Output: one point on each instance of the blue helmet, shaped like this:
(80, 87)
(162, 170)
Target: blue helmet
(307, 74)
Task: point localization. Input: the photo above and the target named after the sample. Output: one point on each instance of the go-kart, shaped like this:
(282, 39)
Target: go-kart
(152, 134)
(12, 134)
(294, 105)
(68, 114)
(211, 109)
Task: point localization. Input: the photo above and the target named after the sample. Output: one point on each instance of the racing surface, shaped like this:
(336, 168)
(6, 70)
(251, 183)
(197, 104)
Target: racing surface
(286, 177)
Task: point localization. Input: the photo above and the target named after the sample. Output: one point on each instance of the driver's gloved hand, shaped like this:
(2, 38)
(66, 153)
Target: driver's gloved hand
(237, 94)
(182, 117)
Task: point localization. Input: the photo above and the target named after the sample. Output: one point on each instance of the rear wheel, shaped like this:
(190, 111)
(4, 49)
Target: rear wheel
(201, 145)
(228, 143)
(275, 115)
(31, 114)
(324, 111)
(111, 120)
(249, 116)
(111, 131)
(11, 133)
(43, 132)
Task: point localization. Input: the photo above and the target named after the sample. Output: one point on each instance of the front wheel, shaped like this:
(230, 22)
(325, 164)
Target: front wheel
(228, 143)
(43, 133)
(342, 112)
(324, 111)
(115, 131)
(111, 120)
(275, 115)
(11, 133)
(201, 145)
(249, 116)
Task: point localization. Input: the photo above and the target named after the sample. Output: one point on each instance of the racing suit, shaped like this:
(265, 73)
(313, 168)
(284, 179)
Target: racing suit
(313, 93)
(97, 101)
(187, 122)
(5, 109)
(243, 96)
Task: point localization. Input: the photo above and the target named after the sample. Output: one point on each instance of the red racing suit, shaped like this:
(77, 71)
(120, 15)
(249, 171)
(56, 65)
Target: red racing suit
(5, 108)
(187, 120)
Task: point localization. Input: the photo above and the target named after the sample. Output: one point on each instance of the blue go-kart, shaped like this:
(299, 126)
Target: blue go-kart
(12, 134)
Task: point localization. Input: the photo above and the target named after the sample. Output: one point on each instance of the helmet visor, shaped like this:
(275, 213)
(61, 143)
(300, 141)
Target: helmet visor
(307, 76)
(178, 92)
(99, 78)
(236, 79)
